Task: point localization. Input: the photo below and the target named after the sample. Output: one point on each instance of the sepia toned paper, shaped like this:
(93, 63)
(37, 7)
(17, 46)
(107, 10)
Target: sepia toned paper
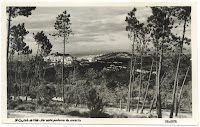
(81, 46)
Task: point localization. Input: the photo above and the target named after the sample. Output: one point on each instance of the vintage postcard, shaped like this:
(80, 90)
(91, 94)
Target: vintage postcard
(99, 63)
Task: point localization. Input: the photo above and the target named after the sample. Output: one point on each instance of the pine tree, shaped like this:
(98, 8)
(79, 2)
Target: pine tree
(182, 13)
(44, 48)
(13, 12)
(133, 27)
(18, 34)
(62, 25)
(161, 22)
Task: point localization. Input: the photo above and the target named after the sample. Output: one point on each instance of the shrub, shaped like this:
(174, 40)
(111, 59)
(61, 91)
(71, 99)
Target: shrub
(74, 113)
(45, 102)
(12, 104)
(47, 91)
(53, 105)
(94, 104)
(21, 107)
(32, 108)
(48, 110)
(32, 96)
(39, 101)
(19, 101)
(28, 107)
(79, 114)
(59, 111)
(121, 115)
(53, 108)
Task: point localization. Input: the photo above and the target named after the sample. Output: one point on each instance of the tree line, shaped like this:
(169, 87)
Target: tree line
(158, 32)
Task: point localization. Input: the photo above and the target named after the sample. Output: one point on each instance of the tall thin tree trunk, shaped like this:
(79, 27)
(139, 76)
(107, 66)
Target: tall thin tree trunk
(130, 78)
(159, 106)
(153, 101)
(28, 90)
(130, 82)
(177, 69)
(8, 36)
(120, 104)
(16, 70)
(21, 73)
(39, 71)
(19, 92)
(133, 79)
(158, 103)
(28, 85)
(140, 85)
(63, 87)
(74, 72)
(147, 87)
(28, 81)
(179, 99)
(155, 96)
(156, 83)
(37, 66)
(176, 94)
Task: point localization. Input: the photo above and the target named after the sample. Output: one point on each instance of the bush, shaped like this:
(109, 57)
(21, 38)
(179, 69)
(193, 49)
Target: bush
(59, 111)
(45, 102)
(12, 104)
(48, 110)
(32, 108)
(32, 96)
(47, 91)
(39, 101)
(19, 101)
(94, 104)
(121, 115)
(52, 108)
(74, 113)
(21, 107)
(53, 105)
(28, 107)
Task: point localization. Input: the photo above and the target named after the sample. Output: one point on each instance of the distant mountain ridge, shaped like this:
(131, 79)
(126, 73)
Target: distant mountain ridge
(112, 55)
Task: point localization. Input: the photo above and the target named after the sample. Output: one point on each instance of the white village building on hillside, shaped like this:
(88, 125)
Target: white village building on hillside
(89, 58)
(56, 58)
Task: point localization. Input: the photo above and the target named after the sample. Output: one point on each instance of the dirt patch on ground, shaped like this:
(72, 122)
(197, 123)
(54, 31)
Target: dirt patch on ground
(29, 114)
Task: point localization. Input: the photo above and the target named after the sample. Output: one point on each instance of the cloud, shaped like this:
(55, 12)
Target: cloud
(96, 29)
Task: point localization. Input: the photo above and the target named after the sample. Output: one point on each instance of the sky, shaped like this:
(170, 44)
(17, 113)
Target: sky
(95, 29)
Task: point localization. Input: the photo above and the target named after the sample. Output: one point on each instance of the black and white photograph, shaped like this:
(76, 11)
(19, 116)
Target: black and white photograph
(99, 62)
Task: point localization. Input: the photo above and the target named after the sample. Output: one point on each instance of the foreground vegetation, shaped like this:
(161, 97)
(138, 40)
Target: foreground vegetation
(87, 80)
